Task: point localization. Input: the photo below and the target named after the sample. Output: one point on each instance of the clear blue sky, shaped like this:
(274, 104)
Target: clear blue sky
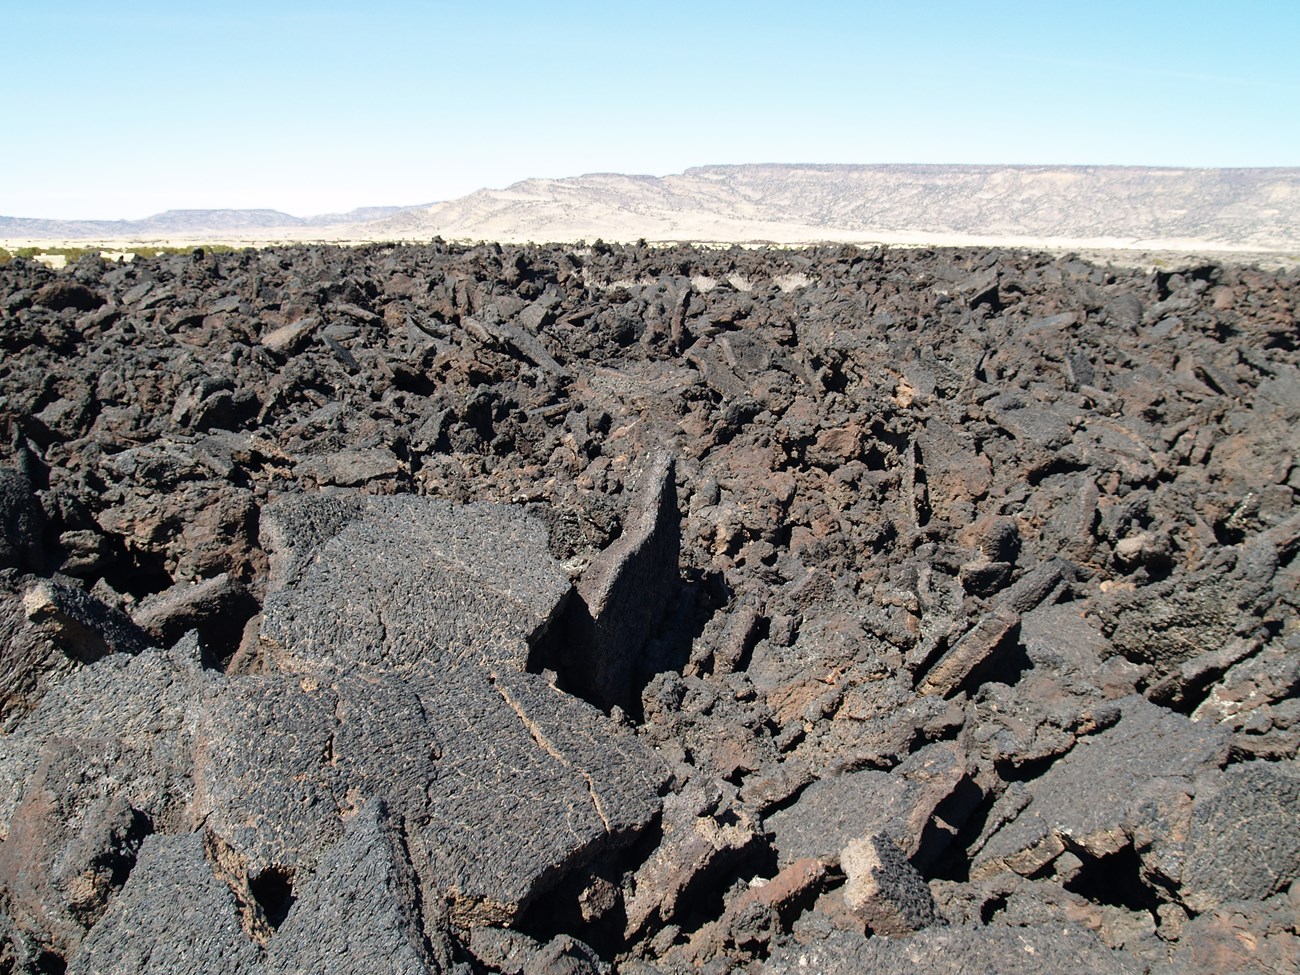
(122, 109)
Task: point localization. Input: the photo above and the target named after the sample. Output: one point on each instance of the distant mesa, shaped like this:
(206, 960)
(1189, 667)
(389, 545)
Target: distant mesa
(1082, 206)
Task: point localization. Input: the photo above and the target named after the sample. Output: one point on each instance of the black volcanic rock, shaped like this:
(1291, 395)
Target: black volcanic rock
(884, 890)
(22, 523)
(408, 620)
(1243, 845)
(362, 903)
(602, 646)
(174, 913)
(51, 627)
(979, 565)
(491, 755)
(59, 295)
(391, 582)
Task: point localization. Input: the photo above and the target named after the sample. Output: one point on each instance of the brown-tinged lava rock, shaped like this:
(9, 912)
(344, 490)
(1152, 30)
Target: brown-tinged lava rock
(616, 608)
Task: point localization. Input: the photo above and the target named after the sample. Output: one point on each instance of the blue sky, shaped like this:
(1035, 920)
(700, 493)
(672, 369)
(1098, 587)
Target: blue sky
(123, 109)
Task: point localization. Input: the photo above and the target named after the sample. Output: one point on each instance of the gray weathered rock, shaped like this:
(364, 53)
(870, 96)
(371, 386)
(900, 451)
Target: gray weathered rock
(973, 649)
(19, 952)
(137, 712)
(217, 605)
(515, 953)
(104, 760)
(394, 581)
(834, 812)
(70, 843)
(78, 623)
(1240, 937)
(361, 906)
(1254, 687)
(467, 758)
(173, 915)
(21, 522)
(1126, 787)
(951, 949)
(698, 836)
(1244, 842)
(50, 628)
(350, 467)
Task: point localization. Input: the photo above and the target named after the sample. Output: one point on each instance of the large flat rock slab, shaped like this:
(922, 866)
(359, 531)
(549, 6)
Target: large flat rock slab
(392, 581)
(837, 811)
(506, 784)
(397, 631)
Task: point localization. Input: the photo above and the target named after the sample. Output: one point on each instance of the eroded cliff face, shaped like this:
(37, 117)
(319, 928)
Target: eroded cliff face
(544, 609)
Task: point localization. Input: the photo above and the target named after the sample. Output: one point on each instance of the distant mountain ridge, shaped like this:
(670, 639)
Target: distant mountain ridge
(187, 222)
(1110, 206)
(1244, 208)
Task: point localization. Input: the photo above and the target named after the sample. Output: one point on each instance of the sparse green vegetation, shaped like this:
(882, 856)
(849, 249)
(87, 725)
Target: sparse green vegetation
(71, 253)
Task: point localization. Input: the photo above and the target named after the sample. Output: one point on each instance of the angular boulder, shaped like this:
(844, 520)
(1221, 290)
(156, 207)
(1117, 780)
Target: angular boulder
(883, 889)
(389, 582)
(174, 915)
(397, 631)
(1126, 788)
(362, 904)
(623, 595)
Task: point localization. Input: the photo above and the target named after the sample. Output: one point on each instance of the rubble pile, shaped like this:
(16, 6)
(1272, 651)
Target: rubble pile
(577, 609)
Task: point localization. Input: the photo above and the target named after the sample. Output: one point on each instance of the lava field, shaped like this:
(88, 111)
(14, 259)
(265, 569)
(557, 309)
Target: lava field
(436, 608)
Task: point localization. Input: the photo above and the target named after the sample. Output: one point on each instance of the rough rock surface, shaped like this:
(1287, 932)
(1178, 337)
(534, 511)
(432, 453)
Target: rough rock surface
(427, 611)
(1007, 951)
(601, 647)
(360, 904)
(883, 889)
(1244, 841)
(22, 522)
(391, 582)
(585, 609)
(1129, 787)
(51, 626)
(174, 914)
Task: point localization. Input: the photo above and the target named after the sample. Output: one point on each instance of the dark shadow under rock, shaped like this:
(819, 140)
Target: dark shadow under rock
(601, 648)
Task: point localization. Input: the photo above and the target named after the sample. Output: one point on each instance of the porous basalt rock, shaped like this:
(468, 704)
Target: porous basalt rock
(397, 631)
(576, 608)
(393, 582)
